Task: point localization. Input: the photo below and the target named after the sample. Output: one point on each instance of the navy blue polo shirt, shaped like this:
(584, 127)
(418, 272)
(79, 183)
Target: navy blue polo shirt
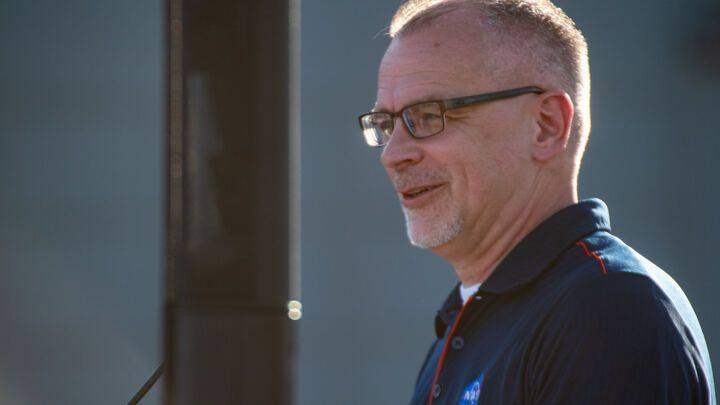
(571, 316)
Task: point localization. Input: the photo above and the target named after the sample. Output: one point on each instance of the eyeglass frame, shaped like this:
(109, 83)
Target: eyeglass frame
(451, 104)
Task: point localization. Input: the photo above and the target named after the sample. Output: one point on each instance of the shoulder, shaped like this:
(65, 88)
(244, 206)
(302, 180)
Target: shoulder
(613, 276)
(618, 324)
(609, 284)
(617, 308)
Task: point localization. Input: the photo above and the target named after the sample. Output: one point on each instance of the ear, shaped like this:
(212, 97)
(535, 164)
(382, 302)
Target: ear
(554, 120)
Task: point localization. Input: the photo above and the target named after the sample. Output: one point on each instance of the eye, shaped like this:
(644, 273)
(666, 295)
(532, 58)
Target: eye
(385, 125)
(426, 114)
(429, 116)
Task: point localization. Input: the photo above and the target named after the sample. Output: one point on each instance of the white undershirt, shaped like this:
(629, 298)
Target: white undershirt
(467, 292)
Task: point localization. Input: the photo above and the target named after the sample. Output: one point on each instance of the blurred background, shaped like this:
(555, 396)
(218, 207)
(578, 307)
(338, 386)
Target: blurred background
(81, 191)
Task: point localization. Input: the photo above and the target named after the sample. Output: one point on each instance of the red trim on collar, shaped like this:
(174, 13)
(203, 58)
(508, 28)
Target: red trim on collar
(594, 255)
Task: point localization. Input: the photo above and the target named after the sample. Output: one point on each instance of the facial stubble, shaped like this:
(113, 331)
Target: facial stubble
(433, 225)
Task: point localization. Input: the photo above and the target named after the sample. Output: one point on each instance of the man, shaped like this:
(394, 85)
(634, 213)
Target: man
(483, 113)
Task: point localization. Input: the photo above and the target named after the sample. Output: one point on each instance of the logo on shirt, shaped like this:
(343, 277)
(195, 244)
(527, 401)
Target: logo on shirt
(472, 392)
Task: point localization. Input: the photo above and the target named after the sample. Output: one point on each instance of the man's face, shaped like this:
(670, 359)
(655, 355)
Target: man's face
(453, 186)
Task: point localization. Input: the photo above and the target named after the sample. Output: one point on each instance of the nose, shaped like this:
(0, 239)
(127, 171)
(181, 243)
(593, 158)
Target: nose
(401, 150)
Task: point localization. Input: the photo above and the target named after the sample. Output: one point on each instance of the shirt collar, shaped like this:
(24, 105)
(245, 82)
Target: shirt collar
(545, 243)
(534, 253)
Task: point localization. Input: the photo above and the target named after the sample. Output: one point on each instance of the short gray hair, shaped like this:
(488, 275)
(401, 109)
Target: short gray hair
(549, 37)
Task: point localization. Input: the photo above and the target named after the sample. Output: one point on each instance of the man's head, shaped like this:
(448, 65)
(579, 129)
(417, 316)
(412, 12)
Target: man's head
(469, 181)
(546, 39)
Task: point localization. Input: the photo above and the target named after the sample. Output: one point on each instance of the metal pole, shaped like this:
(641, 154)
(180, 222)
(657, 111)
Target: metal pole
(232, 219)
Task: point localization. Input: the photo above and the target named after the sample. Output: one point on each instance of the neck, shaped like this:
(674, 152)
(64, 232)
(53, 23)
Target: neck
(480, 248)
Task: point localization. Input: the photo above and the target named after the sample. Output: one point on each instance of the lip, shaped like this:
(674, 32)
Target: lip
(416, 201)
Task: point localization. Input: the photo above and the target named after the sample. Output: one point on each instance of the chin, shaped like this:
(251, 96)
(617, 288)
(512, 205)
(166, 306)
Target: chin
(431, 231)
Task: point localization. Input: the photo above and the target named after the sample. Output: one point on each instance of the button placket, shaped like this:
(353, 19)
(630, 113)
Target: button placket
(452, 341)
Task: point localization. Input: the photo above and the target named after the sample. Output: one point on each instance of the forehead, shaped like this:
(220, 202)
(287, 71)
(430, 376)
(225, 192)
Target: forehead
(435, 62)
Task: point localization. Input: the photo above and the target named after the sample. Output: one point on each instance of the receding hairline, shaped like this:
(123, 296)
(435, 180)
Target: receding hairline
(413, 15)
(536, 28)
(555, 40)
(486, 48)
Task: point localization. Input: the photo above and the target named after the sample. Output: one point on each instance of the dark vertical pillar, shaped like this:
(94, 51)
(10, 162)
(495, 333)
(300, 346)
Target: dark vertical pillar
(231, 196)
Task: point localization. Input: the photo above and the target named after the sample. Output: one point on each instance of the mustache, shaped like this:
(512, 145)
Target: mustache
(414, 178)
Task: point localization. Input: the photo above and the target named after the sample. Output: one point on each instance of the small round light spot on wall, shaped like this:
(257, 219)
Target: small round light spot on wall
(294, 310)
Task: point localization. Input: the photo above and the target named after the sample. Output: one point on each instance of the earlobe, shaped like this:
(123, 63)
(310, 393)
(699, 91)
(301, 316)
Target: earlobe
(554, 122)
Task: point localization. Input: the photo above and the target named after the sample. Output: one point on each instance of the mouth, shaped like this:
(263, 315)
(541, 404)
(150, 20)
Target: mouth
(415, 196)
(417, 191)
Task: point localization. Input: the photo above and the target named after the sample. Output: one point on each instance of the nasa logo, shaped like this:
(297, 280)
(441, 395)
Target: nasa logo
(471, 395)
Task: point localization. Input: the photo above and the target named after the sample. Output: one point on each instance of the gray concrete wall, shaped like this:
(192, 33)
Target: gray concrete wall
(81, 119)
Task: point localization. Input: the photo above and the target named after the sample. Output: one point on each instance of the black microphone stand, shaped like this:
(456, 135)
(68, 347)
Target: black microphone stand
(148, 384)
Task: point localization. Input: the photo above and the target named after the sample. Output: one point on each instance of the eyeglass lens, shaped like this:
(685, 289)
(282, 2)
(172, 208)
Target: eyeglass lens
(377, 128)
(422, 120)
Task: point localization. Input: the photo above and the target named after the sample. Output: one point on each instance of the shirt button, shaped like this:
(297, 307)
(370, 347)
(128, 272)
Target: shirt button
(457, 343)
(436, 391)
(478, 298)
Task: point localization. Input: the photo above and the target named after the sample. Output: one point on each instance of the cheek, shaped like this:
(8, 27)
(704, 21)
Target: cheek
(493, 157)
(490, 176)
(507, 151)
(483, 163)
(476, 178)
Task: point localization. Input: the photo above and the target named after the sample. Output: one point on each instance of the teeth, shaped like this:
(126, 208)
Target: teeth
(416, 193)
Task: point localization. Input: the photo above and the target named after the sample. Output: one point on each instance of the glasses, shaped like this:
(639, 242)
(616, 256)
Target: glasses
(426, 118)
